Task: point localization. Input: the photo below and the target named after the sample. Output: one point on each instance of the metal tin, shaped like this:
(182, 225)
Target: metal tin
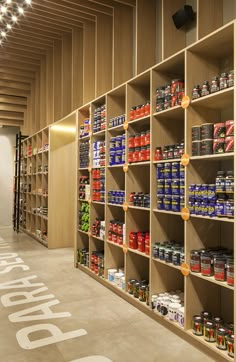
(160, 202)
(229, 125)
(220, 206)
(167, 170)
(229, 144)
(168, 187)
(181, 187)
(196, 133)
(211, 209)
(181, 172)
(219, 146)
(196, 148)
(219, 130)
(207, 131)
(160, 186)
(211, 192)
(206, 147)
(191, 207)
(160, 171)
(167, 203)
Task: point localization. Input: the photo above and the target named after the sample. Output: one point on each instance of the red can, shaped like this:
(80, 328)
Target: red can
(142, 110)
(147, 108)
(136, 154)
(143, 154)
(120, 239)
(229, 144)
(158, 154)
(147, 249)
(137, 140)
(148, 153)
(174, 100)
(132, 113)
(109, 235)
(229, 128)
(143, 139)
(115, 228)
(131, 141)
(147, 138)
(141, 242)
(131, 155)
(138, 112)
(133, 241)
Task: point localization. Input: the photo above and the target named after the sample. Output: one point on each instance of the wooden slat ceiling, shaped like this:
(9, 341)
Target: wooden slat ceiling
(27, 44)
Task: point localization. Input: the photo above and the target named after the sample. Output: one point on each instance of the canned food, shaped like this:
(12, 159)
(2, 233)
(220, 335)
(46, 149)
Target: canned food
(206, 147)
(196, 133)
(195, 261)
(196, 148)
(219, 130)
(210, 331)
(219, 146)
(207, 131)
(229, 128)
(197, 325)
(229, 144)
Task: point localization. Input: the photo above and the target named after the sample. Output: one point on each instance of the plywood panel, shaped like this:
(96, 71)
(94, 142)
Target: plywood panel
(104, 50)
(49, 87)
(43, 98)
(123, 26)
(57, 79)
(206, 23)
(89, 62)
(62, 184)
(77, 68)
(146, 34)
(66, 74)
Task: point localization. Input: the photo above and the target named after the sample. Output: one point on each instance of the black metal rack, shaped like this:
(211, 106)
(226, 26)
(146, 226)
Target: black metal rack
(16, 209)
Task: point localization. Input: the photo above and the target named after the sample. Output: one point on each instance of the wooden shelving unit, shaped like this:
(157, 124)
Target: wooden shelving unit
(201, 60)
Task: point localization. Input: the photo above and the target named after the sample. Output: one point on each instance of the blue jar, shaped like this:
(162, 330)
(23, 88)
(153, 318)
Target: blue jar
(160, 186)
(220, 182)
(229, 208)
(198, 207)
(160, 202)
(168, 187)
(118, 158)
(181, 187)
(220, 206)
(118, 142)
(197, 193)
(123, 142)
(204, 208)
(123, 157)
(167, 170)
(211, 209)
(175, 205)
(112, 158)
(175, 170)
(181, 171)
(109, 197)
(211, 193)
(181, 202)
(113, 144)
(191, 207)
(175, 187)
(167, 203)
(191, 192)
(204, 193)
(160, 171)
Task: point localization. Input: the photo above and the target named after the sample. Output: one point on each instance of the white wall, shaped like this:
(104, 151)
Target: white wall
(7, 154)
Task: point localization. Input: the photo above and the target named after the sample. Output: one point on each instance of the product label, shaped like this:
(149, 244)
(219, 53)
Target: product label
(195, 266)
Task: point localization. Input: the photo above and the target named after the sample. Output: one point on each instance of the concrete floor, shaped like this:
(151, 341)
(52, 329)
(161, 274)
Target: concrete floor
(115, 329)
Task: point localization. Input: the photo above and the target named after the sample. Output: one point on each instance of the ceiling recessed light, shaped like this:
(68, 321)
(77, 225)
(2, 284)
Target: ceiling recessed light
(3, 9)
(3, 34)
(21, 10)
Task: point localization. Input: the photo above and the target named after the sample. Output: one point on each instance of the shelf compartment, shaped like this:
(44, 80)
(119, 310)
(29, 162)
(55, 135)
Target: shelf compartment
(165, 278)
(114, 258)
(139, 253)
(212, 280)
(116, 106)
(161, 230)
(211, 346)
(168, 264)
(203, 295)
(138, 91)
(137, 267)
(138, 179)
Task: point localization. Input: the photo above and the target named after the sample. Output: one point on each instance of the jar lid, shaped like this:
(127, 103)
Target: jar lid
(197, 318)
(220, 173)
(229, 173)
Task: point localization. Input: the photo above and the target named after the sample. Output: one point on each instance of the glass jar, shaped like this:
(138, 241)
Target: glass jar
(130, 285)
(230, 271)
(206, 316)
(231, 79)
(223, 81)
(206, 263)
(230, 345)
(136, 289)
(196, 92)
(197, 325)
(215, 84)
(195, 261)
(205, 88)
(210, 331)
(220, 268)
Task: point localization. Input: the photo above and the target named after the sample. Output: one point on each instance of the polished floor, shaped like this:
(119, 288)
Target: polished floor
(115, 330)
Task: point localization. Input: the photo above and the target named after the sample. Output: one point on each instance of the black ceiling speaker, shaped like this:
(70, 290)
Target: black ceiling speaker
(183, 16)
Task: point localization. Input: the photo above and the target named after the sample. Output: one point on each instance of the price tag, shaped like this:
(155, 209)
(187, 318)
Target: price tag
(125, 168)
(184, 267)
(185, 159)
(125, 125)
(185, 102)
(125, 248)
(185, 214)
(125, 206)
